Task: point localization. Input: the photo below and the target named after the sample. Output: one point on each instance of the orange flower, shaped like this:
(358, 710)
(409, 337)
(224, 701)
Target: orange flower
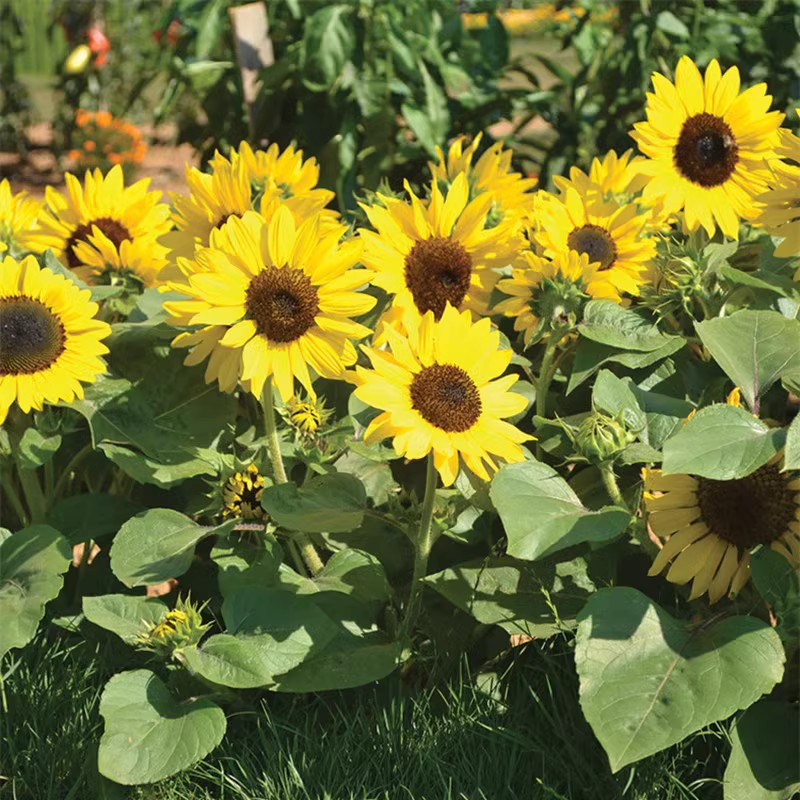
(103, 119)
(89, 146)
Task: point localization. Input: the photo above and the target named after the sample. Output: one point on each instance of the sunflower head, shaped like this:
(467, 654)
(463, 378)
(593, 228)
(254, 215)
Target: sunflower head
(440, 391)
(50, 341)
(180, 627)
(708, 146)
(712, 525)
(241, 495)
(18, 222)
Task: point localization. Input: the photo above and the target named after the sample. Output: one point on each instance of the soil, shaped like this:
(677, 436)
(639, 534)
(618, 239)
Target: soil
(164, 162)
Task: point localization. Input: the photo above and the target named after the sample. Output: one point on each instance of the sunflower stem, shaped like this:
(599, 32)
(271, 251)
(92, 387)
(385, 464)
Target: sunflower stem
(7, 482)
(307, 550)
(422, 549)
(18, 423)
(546, 372)
(611, 485)
(66, 473)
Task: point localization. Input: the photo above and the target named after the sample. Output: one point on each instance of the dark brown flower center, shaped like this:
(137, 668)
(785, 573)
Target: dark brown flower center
(446, 397)
(282, 303)
(438, 271)
(31, 336)
(596, 242)
(706, 152)
(114, 230)
(753, 510)
(224, 218)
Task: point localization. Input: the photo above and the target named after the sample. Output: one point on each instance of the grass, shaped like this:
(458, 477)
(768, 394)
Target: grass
(523, 736)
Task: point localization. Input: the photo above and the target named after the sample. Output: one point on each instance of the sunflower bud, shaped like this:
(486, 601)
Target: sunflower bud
(601, 438)
(180, 627)
(560, 303)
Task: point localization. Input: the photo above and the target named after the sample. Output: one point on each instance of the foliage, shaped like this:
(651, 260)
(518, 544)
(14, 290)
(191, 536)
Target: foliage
(14, 101)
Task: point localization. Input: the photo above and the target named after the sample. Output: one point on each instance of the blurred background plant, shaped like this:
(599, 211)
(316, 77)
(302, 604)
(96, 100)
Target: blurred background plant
(14, 100)
(101, 141)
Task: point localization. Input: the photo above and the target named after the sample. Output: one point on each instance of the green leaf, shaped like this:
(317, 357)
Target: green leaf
(332, 503)
(356, 573)
(542, 515)
(778, 582)
(754, 348)
(721, 442)
(157, 545)
(32, 564)
(791, 454)
(538, 599)
(233, 661)
(124, 614)
(376, 475)
(35, 449)
(328, 44)
(648, 680)
(149, 734)
(610, 324)
(168, 470)
(614, 397)
(763, 764)
(666, 21)
(431, 122)
(91, 516)
(246, 562)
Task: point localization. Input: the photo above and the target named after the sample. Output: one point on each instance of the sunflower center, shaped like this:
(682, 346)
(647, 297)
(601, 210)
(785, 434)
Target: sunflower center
(282, 303)
(438, 272)
(114, 230)
(31, 336)
(446, 397)
(596, 242)
(753, 510)
(224, 218)
(706, 151)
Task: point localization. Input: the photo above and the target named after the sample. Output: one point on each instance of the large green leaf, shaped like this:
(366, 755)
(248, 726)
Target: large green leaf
(124, 614)
(541, 514)
(32, 564)
(246, 561)
(91, 516)
(648, 680)
(329, 41)
(764, 763)
(721, 442)
(778, 582)
(539, 599)
(754, 348)
(234, 661)
(149, 734)
(332, 503)
(791, 454)
(156, 545)
(167, 470)
(608, 323)
(35, 449)
(615, 397)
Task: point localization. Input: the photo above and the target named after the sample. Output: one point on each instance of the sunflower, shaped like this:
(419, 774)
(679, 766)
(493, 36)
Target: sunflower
(712, 525)
(439, 390)
(566, 280)
(708, 146)
(780, 214)
(439, 253)
(274, 299)
(490, 174)
(612, 235)
(212, 200)
(282, 177)
(612, 176)
(18, 225)
(50, 341)
(103, 227)
(242, 495)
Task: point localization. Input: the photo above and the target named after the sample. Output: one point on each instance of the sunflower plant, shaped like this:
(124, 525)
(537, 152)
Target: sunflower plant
(270, 448)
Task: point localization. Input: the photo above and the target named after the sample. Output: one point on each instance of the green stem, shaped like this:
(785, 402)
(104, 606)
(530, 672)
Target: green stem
(307, 550)
(611, 485)
(28, 480)
(422, 549)
(66, 473)
(546, 373)
(7, 482)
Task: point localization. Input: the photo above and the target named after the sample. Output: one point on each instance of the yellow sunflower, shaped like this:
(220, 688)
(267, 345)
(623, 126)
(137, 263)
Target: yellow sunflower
(491, 174)
(428, 255)
(103, 227)
(780, 213)
(50, 341)
(708, 146)
(18, 222)
(241, 495)
(439, 390)
(611, 176)
(282, 177)
(566, 274)
(712, 525)
(274, 299)
(613, 236)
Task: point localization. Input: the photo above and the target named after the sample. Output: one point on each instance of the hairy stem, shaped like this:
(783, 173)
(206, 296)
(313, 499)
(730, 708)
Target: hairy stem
(611, 485)
(546, 372)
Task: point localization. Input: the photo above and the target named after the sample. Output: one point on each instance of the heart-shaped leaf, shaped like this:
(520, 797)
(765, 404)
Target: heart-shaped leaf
(32, 563)
(648, 680)
(541, 514)
(124, 614)
(150, 735)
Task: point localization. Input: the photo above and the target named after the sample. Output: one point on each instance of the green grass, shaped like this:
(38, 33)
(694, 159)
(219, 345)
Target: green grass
(524, 739)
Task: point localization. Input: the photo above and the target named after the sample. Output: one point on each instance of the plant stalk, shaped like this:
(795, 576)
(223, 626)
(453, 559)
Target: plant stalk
(546, 372)
(611, 485)
(28, 479)
(422, 549)
(7, 482)
(307, 550)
